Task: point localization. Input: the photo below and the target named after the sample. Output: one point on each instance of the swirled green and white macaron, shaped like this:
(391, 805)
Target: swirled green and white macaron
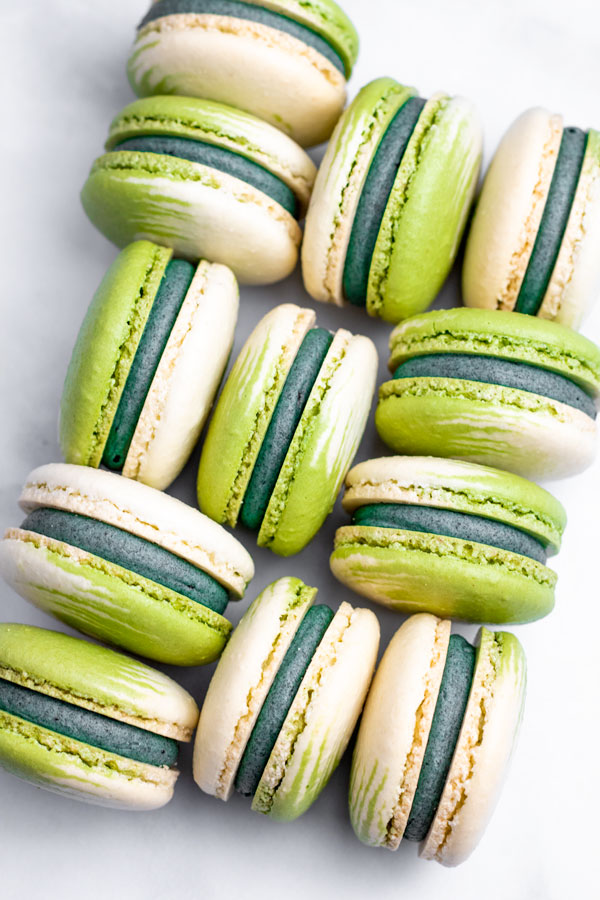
(208, 180)
(147, 363)
(286, 61)
(436, 738)
(89, 723)
(284, 700)
(125, 563)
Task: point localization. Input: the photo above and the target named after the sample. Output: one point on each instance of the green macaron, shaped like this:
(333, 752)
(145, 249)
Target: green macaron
(125, 563)
(492, 387)
(287, 60)
(449, 538)
(391, 200)
(147, 363)
(84, 721)
(207, 180)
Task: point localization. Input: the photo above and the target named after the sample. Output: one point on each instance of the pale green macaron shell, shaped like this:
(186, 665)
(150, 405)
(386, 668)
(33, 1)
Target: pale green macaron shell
(426, 211)
(413, 571)
(107, 601)
(323, 444)
(270, 73)
(524, 432)
(104, 682)
(198, 210)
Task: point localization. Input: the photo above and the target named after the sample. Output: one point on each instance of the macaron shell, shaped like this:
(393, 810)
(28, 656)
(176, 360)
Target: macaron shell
(427, 211)
(110, 603)
(216, 123)
(97, 679)
(242, 681)
(244, 409)
(186, 380)
(104, 351)
(269, 73)
(483, 750)
(198, 211)
(322, 717)
(412, 572)
(147, 513)
(460, 486)
(575, 281)
(533, 436)
(76, 770)
(509, 210)
(323, 446)
(339, 183)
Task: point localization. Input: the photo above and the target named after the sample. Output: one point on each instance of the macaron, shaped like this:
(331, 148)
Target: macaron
(208, 180)
(533, 243)
(498, 388)
(89, 723)
(391, 200)
(286, 427)
(449, 538)
(125, 563)
(436, 738)
(147, 363)
(284, 700)
(286, 61)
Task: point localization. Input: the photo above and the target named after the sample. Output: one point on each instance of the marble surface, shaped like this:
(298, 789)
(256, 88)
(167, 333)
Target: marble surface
(64, 79)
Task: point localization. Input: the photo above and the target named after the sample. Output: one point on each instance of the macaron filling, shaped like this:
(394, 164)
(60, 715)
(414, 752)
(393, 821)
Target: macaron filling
(129, 552)
(554, 221)
(449, 523)
(374, 198)
(281, 695)
(288, 411)
(157, 330)
(87, 726)
(447, 720)
(252, 13)
(220, 158)
(506, 373)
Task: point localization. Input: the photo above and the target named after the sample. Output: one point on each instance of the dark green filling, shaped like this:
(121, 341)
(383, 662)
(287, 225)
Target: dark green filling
(159, 325)
(280, 697)
(374, 199)
(447, 522)
(284, 421)
(238, 10)
(445, 728)
(130, 552)
(87, 726)
(216, 158)
(504, 372)
(554, 221)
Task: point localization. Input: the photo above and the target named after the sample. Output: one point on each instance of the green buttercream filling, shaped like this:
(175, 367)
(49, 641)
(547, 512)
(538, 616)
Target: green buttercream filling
(87, 726)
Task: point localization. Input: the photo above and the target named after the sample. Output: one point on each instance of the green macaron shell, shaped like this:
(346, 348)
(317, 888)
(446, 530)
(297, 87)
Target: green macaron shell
(280, 697)
(86, 726)
(216, 158)
(374, 198)
(490, 370)
(553, 222)
(427, 210)
(451, 578)
(129, 552)
(109, 602)
(284, 421)
(443, 735)
(253, 13)
(105, 349)
(505, 335)
(159, 324)
(450, 523)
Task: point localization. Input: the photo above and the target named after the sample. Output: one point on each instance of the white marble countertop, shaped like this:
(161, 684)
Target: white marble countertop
(63, 80)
